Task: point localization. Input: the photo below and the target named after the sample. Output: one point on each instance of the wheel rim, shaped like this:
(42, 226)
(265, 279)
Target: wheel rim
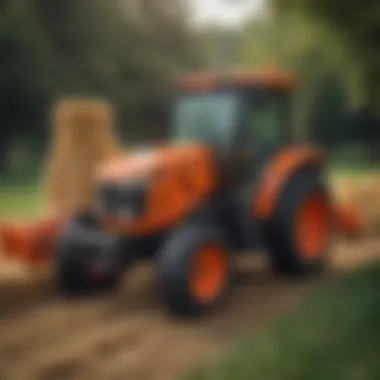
(312, 226)
(208, 274)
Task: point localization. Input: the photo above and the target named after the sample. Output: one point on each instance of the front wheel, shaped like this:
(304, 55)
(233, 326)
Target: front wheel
(74, 273)
(194, 271)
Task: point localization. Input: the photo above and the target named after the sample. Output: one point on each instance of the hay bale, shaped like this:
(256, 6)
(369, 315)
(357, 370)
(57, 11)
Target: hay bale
(83, 136)
(363, 196)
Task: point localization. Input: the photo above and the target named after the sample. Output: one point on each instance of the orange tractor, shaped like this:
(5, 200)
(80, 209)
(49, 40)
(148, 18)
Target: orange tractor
(233, 178)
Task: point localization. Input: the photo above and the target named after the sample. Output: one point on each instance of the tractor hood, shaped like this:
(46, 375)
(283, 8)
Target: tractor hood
(145, 163)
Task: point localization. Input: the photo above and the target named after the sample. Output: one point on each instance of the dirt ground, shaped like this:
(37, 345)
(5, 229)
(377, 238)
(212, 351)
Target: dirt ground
(129, 336)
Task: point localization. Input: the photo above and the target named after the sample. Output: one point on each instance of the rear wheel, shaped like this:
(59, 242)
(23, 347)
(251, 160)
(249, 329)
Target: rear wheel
(299, 235)
(194, 271)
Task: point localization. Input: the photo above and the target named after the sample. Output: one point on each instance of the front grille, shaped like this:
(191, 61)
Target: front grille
(109, 199)
(122, 199)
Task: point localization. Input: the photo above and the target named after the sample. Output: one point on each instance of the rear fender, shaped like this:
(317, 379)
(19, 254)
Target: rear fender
(280, 168)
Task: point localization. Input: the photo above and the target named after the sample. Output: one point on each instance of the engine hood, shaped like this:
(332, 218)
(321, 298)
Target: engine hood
(147, 162)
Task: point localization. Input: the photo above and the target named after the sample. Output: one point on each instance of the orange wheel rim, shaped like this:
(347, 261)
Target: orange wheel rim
(208, 274)
(312, 226)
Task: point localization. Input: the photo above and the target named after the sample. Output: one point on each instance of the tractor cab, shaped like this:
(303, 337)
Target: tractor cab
(242, 118)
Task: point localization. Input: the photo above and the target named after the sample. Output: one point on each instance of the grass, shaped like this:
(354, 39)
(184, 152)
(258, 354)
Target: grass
(21, 202)
(334, 335)
(352, 172)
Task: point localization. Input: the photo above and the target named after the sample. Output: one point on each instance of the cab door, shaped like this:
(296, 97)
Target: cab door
(264, 129)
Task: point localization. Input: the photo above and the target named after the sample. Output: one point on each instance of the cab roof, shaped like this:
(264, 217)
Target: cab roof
(264, 79)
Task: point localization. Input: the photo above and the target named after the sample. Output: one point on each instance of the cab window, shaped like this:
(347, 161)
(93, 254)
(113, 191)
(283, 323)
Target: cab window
(205, 118)
(266, 121)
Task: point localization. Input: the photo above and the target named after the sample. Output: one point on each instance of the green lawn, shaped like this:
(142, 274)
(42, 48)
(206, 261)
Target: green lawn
(19, 202)
(334, 336)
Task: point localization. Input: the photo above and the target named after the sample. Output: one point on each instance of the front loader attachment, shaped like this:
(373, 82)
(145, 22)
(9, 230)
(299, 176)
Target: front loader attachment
(30, 243)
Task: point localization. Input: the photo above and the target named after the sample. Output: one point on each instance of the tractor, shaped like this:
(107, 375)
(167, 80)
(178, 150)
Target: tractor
(234, 176)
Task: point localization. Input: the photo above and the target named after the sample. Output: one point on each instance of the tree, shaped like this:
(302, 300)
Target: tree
(358, 26)
(292, 41)
(127, 51)
(24, 75)
(328, 113)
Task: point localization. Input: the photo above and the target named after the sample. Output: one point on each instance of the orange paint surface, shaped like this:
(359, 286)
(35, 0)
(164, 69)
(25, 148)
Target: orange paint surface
(279, 170)
(31, 243)
(273, 79)
(208, 274)
(313, 226)
(178, 179)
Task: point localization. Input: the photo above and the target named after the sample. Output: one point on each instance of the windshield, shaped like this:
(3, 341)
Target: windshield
(205, 117)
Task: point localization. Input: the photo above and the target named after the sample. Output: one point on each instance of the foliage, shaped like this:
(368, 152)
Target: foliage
(328, 106)
(128, 51)
(124, 51)
(20, 202)
(358, 26)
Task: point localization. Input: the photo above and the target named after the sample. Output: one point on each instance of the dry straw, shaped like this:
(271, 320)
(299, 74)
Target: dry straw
(363, 196)
(83, 136)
